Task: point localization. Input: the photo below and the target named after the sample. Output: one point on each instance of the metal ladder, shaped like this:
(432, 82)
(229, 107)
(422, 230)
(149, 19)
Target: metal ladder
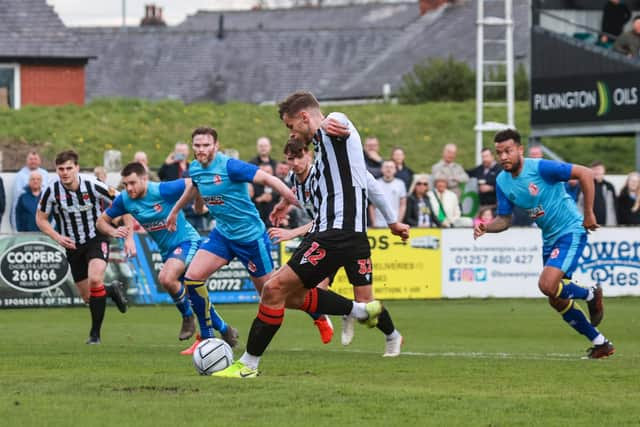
(505, 22)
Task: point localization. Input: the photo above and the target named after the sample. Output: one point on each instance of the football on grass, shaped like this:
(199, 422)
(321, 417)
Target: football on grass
(212, 355)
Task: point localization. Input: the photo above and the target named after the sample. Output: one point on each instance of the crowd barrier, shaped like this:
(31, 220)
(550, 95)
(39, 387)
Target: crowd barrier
(433, 263)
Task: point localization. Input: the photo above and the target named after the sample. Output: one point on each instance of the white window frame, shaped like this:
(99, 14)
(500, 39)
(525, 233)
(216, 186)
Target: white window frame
(17, 102)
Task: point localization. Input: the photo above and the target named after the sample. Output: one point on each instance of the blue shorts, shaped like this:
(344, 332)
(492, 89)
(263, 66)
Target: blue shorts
(254, 255)
(565, 252)
(184, 252)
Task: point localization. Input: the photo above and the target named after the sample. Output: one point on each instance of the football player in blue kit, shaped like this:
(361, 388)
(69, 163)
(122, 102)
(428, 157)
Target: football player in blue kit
(221, 182)
(537, 185)
(150, 203)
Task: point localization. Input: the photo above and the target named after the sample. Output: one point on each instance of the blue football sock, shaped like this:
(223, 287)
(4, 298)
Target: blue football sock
(182, 301)
(569, 290)
(208, 319)
(575, 317)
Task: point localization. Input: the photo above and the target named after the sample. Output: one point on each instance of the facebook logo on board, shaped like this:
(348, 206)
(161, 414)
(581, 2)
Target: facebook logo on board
(468, 274)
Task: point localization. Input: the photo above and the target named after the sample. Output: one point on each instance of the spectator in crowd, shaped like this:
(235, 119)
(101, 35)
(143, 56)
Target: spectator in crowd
(420, 213)
(28, 204)
(395, 193)
(282, 170)
(446, 204)
(100, 173)
(604, 202)
(486, 174)
(535, 151)
(263, 147)
(141, 157)
(403, 173)
(176, 163)
(3, 201)
(614, 15)
(629, 201)
(629, 43)
(372, 157)
(485, 216)
(263, 196)
(21, 180)
(448, 169)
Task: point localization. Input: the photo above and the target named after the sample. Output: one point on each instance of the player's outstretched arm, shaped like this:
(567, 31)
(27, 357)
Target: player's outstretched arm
(585, 176)
(274, 182)
(278, 235)
(333, 127)
(190, 192)
(42, 221)
(500, 223)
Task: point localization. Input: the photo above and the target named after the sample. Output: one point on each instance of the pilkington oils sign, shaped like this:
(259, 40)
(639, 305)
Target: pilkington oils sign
(585, 99)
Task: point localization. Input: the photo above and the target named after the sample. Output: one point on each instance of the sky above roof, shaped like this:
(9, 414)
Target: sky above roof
(109, 13)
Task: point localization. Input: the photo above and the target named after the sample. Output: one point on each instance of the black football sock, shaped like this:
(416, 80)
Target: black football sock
(385, 324)
(97, 307)
(263, 329)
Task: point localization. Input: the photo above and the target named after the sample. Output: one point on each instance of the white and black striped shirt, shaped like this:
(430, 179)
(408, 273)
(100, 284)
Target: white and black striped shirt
(340, 181)
(76, 212)
(303, 191)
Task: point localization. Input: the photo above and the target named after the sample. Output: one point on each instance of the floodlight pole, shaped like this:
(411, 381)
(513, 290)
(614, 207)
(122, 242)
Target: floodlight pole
(124, 13)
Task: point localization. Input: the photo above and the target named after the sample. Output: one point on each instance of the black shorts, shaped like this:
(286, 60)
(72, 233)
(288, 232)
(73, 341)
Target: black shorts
(79, 258)
(320, 255)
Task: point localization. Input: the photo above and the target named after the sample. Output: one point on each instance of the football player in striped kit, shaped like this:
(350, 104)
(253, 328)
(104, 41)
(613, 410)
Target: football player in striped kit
(76, 201)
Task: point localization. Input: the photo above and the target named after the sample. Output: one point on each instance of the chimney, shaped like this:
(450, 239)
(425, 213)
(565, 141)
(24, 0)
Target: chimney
(152, 16)
(429, 5)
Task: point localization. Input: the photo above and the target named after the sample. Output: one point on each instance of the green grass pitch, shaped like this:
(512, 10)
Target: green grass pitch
(465, 362)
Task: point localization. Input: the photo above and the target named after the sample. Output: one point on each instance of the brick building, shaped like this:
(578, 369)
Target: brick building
(41, 61)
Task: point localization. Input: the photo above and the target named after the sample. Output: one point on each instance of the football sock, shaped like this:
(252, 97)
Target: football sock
(208, 319)
(97, 306)
(393, 335)
(315, 316)
(311, 303)
(182, 301)
(325, 302)
(385, 324)
(250, 361)
(359, 311)
(575, 317)
(569, 290)
(263, 329)
(599, 340)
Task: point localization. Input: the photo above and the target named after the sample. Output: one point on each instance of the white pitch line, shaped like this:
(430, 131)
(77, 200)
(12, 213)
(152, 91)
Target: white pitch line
(468, 355)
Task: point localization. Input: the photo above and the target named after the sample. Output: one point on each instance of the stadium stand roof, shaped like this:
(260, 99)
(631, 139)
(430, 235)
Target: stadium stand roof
(31, 29)
(346, 52)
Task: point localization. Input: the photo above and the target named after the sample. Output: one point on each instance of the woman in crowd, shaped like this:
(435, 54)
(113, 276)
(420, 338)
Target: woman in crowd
(629, 201)
(419, 210)
(403, 173)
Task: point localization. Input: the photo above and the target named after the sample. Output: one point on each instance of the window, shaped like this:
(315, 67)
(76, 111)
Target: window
(9, 86)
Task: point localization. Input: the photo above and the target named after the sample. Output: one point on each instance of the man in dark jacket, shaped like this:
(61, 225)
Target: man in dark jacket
(486, 174)
(28, 204)
(614, 15)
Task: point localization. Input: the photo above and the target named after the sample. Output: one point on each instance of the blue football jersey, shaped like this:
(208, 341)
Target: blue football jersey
(151, 212)
(223, 187)
(539, 189)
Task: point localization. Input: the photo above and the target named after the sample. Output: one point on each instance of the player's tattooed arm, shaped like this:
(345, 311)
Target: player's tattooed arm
(500, 223)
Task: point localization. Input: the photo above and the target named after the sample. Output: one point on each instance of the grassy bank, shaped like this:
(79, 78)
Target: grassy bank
(132, 125)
